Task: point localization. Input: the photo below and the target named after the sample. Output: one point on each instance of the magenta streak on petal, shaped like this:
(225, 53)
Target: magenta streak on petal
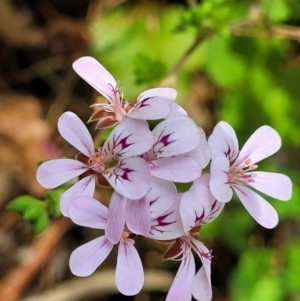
(142, 103)
(199, 219)
(152, 202)
(123, 142)
(162, 223)
(164, 139)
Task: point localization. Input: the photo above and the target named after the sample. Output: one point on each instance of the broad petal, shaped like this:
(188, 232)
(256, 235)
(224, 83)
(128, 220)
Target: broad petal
(161, 196)
(129, 138)
(276, 185)
(182, 286)
(75, 132)
(175, 136)
(96, 75)
(55, 172)
(86, 259)
(176, 169)
(223, 141)
(263, 143)
(202, 152)
(129, 270)
(176, 110)
(131, 177)
(218, 184)
(153, 104)
(202, 288)
(86, 186)
(257, 206)
(116, 218)
(88, 212)
(213, 208)
(168, 224)
(138, 216)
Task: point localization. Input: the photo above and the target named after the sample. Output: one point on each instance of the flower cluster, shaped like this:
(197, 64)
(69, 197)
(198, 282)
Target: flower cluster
(141, 165)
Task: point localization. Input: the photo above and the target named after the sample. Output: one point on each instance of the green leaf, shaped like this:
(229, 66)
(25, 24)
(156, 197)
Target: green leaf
(41, 223)
(53, 200)
(22, 203)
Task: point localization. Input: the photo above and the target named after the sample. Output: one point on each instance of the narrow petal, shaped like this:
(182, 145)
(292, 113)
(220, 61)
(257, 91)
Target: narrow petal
(223, 141)
(202, 152)
(55, 172)
(175, 136)
(153, 104)
(131, 177)
(96, 75)
(202, 287)
(182, 286)
(75, 132)
(116, 218)
(86, 259)
(258, 207)
(129, 270)
(218, 185)
(129, 138)
(276, 185)
(86, 186)
(176, 169)
(88, 212)
(263, 143)
(138, 216)
(176, 110)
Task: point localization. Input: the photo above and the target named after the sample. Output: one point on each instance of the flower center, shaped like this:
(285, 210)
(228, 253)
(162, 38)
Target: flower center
(239, 174)
(126, 236)
(95, 161)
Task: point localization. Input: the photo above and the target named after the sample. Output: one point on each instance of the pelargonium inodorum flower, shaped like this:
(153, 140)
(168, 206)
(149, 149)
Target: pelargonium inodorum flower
(232, 169)
(169, 157)
(152, 104)
(116, 162)
(88, 212)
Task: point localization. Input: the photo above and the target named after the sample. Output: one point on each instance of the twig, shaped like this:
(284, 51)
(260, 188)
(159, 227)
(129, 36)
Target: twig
(13, 285)
(100, 284)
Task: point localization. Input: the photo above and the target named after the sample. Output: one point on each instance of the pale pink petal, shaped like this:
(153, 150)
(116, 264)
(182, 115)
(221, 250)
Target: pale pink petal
(55, 172)
(96, 75)
(129, 138)
(257, 206)
(175, 136)
(176, 110)
(116, 218)
(223, 141)
(129, 270)
(130, 178)
(182, 286)
(176, 169)
(86, 186)
(202, 152)
(153, 104)
(213, 208)
(168, 224)
(75, 132)
(219, 185)
(86, 259)
(161, 196)
(138, 218)
(263, 143)
(88, 212)
(202, 287)
(276, 185)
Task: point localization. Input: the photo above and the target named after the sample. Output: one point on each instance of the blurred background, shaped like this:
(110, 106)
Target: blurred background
(237, 61)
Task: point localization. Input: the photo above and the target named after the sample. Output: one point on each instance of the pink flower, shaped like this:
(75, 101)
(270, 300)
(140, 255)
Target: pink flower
(151, 104)
(232, 169)
(113, 164)
(174, 140)
(87, 211)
